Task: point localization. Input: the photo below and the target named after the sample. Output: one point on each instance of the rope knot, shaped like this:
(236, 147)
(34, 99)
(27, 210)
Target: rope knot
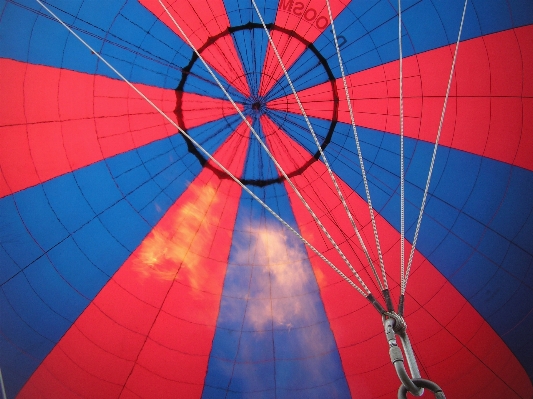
(399, 326)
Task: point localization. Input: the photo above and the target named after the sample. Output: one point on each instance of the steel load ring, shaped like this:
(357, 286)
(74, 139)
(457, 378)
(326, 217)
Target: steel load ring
(422, 383)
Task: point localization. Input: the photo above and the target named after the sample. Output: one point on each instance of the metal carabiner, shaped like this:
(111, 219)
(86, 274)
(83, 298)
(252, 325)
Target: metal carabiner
(395, 325)
(396, 357)
(396, 354)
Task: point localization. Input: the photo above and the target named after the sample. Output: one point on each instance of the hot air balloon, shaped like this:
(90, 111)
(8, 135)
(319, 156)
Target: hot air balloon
(222, 199)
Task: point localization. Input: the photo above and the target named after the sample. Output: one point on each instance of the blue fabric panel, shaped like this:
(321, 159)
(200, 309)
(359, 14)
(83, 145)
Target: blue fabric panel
(129, 171)
(258, 164)
(60, 296)
(523, 239)
(472, 275)
(86, 278)
(39, 316)
(244, 349)
(488, 17)
(200, 81)
(39, 217)
(22, 348)
(22, 247)
(251, 47)
(212, 135)
(519, 262)
(513, 219)
(489, 190)
(500, 289)
(296, 127)
(435, 24)
(9, 267)
(143, 175)
(125, 225)
(153, 210)
(290, 372)
(517, 329)
(72, 211)
(450, 252)
(97, 186)
(209, 391)
(255, 345)
(454, 187)
(141, 47)
(493, 246)
(263, 381)
(442, 211)
(145, 194)
(241, 12)
(522, 12)
(305, 73)
(368, 33)
(18, 333)
(16, 34)
(100, 247)
(469, 229)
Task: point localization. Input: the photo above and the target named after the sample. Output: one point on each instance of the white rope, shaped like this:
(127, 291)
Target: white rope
(4, 396)
(361, 163)
(332, 176)
(402, 177)
(422, 206)
(297, 192)
(207, 154)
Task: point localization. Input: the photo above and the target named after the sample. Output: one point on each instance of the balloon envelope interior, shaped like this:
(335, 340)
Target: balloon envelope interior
(177, 179)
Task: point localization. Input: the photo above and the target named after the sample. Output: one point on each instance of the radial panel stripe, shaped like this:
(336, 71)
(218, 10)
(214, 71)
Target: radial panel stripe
(63, 120)
(141, 326)
(434, 303)
(272, 337)
(308, 19)
(200, 21)
(490, 104)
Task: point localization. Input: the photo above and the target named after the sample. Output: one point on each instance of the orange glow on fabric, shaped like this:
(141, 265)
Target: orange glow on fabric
(167, 250)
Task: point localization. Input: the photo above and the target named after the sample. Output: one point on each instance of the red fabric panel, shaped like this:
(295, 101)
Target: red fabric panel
(197, 110)
(489, 106)
(48, 155)
(16, 165)
(152, 325)
(437, 315)
(63, 120)
(200, 20)
(46, 384)
(145, 384)
(306, 18)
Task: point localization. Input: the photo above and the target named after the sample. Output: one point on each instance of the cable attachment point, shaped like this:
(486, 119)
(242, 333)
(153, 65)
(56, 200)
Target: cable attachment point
(395, 325)
(399, 325)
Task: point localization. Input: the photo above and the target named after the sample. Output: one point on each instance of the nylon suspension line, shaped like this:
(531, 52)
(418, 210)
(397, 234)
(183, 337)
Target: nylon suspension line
(402, 177)
(393, 322)
(366, 293)
(384, 287)
(264, 146)
(322, 154)
(405, 277)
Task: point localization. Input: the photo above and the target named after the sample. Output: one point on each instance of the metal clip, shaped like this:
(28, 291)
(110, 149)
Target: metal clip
(395, 325)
